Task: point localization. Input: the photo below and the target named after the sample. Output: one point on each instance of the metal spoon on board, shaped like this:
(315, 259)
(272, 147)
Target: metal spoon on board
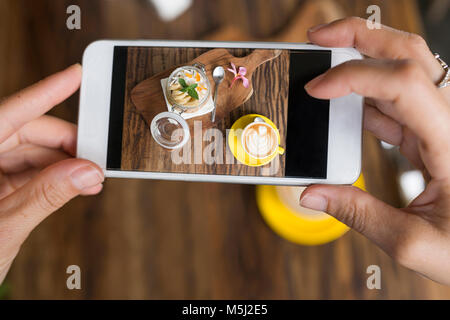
(218, 75)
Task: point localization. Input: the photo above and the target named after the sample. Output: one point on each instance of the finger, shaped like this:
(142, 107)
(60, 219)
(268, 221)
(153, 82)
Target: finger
(390, 131)
(29, 156)
(382, 126)
(48, 191)
(359, 210)
(92, 191)
(12, 182)
(384, 43)
(50, 132)
(46, 131)
(416, 103)
(410, 148)
(34, 101)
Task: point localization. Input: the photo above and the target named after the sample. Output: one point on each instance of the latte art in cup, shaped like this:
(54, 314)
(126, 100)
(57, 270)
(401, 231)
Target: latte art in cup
(259, 140)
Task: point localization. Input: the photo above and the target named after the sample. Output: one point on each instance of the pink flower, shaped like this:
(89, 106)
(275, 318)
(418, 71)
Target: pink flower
(239, 75)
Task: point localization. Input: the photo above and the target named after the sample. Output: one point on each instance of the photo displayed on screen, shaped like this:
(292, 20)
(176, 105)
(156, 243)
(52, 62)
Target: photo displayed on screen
(233, 111)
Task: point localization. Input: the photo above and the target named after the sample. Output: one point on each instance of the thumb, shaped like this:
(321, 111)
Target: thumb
(359, 210)
(24, 209)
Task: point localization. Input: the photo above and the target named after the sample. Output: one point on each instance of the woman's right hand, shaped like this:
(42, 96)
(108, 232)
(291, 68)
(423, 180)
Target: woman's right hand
(403, 107)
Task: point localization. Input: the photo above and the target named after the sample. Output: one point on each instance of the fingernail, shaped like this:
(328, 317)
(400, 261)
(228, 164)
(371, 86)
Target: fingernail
(75, 65)
(314, 202)
(316, 28)
(86, 177)
(314, 82)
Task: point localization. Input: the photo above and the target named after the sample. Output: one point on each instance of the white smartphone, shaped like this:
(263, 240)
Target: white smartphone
(217, 111)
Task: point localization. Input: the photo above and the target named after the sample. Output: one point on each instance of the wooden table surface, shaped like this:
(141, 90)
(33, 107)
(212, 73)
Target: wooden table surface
(134, 240)
(140, 152)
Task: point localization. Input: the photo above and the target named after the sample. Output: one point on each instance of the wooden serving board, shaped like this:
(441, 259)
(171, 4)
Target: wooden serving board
(148, 96)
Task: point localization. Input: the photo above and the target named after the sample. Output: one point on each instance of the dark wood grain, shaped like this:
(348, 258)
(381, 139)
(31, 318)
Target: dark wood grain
(136, 240)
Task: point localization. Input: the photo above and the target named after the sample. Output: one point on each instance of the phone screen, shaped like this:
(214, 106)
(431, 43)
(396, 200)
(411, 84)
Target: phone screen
(265, 123)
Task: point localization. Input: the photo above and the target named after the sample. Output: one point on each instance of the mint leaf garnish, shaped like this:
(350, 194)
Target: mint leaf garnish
(189, 89)
(182, 82)
(193, 93)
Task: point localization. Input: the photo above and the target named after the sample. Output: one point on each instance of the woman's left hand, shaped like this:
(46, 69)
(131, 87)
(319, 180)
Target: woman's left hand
(38, 172)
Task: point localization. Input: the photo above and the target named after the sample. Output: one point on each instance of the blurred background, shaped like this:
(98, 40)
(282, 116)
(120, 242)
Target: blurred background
(134, 240)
